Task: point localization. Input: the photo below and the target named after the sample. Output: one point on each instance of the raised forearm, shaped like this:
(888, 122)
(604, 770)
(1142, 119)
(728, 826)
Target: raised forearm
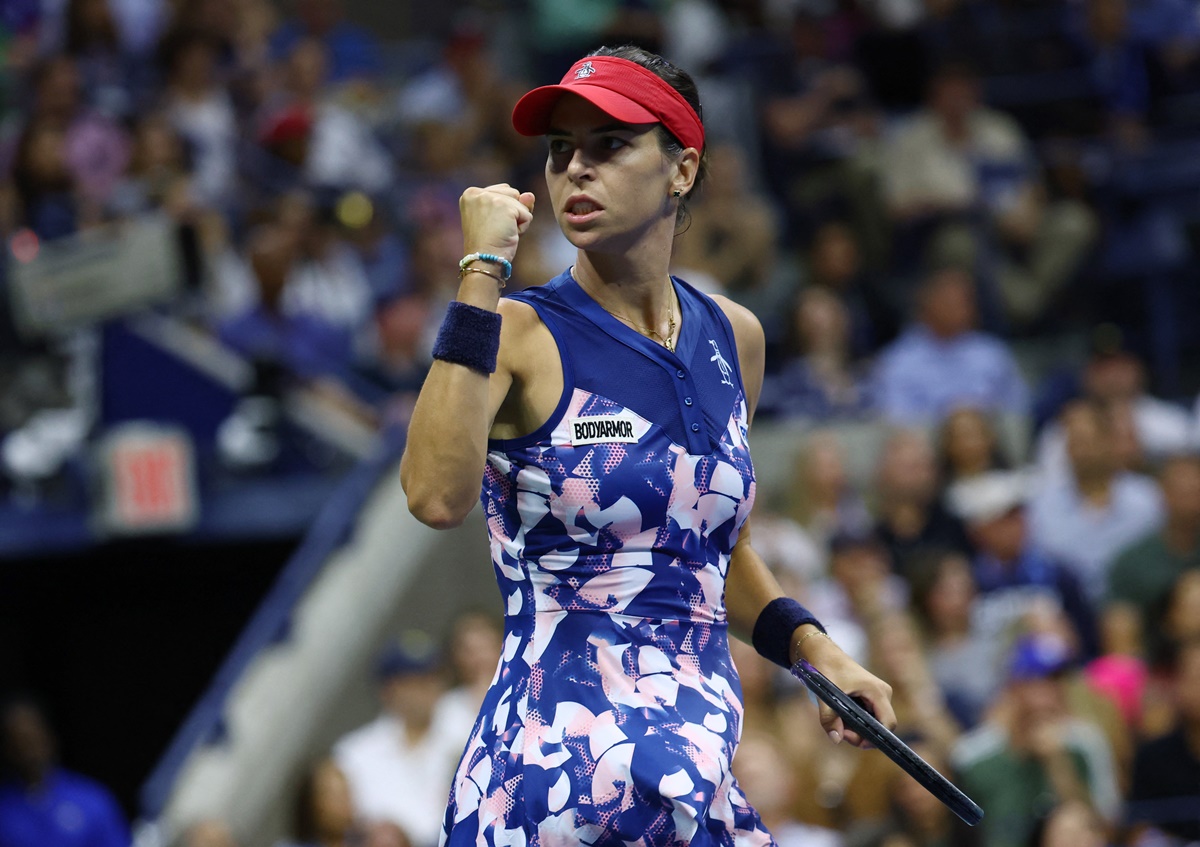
(443, 463)
(447, 436)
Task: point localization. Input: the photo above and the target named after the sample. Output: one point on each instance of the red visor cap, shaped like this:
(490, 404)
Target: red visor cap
(620, 88)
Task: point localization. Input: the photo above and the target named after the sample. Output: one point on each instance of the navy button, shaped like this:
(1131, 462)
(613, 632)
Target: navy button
(695, 427)
(687, 401)
(680, 373)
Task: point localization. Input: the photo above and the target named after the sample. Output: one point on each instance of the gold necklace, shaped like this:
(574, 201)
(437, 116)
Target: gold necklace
(668, 342)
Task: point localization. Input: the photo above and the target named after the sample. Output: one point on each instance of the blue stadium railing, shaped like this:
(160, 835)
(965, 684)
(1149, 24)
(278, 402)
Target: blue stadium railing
(270, 624)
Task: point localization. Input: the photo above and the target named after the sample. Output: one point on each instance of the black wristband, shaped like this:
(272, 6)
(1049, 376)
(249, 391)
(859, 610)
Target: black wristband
(469, 336)
(775, 626)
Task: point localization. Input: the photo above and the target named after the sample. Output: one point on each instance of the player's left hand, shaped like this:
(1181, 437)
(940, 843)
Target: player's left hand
(873, 693)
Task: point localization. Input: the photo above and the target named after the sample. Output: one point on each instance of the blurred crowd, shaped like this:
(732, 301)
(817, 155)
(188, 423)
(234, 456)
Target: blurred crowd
(956, 219)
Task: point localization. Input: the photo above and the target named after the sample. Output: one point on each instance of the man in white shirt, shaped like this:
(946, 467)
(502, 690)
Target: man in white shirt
(401, 764)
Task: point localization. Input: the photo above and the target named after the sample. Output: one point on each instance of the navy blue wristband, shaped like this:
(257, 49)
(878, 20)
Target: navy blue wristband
(469, 336)
(775, 626)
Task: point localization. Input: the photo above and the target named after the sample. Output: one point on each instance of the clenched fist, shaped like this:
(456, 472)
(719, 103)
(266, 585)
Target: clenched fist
(494, 218)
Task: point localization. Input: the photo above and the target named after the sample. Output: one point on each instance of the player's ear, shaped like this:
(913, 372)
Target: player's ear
(687, 168)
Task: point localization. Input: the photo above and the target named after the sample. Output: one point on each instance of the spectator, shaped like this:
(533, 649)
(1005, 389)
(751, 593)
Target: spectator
(1014, 576)
(764, 773)
(941, 361)
(467, 96)
(921, 706)
(969, 445)
(274, 167)
(910, 514)
(324, 811)
(158, 174)
(400, 358)
(918, 818)
(819, 125)
(116, 76)
(831, 785)
(1088, 518)
(216, 20)
(96, 148)
(305, 344)
(401, 764)
(1143, 573)
(1072, 823)
(1165, 793)
(1180, 622)
(820, 381)
(46, 195)
(137, 24)
(967, 173)
(343, 153)
(202, 112)
(821, 498)
(836, 263)
(252, 72)
(476, 638)
(860, 593)
(960, 654)
(1114, 375)
(1118, 67)
(42, 804)
(329, 281)
(1031, 754)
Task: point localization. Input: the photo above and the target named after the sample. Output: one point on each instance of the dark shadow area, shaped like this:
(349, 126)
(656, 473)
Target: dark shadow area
(120, 641)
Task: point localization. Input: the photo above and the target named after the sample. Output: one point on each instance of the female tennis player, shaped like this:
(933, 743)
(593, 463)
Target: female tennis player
(606, 413)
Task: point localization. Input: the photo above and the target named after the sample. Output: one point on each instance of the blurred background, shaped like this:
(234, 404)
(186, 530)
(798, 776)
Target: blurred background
(970, 228)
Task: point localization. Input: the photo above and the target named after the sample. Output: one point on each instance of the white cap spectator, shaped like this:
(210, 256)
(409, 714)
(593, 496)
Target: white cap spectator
(988, 496)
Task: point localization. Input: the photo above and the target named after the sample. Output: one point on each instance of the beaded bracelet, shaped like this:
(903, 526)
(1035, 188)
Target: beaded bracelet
(492, 258)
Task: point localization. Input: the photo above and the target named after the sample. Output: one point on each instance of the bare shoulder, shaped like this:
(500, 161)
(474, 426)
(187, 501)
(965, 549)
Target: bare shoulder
(524, 339)
(747, 328)
(518, 313)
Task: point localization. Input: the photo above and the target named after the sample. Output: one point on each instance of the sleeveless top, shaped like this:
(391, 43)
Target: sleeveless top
(615, 710)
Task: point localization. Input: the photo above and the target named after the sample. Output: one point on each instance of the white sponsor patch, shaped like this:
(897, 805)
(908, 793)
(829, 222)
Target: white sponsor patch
(603, 429)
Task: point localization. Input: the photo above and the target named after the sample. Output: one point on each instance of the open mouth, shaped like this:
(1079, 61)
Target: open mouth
(581, 209)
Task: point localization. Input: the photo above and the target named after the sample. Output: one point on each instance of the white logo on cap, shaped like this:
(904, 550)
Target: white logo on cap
(585, 70)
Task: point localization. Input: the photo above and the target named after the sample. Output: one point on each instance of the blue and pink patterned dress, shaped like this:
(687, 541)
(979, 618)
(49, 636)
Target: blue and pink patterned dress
(616, 709)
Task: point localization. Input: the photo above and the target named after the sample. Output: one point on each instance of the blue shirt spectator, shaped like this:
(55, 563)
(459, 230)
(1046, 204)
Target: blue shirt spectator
(1087, 534)
(941, 362)
(42, 805)
(66, 810)
(1012, 575)
(304, 342)
(306, 345)
(1097, 510)
(822, 381)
